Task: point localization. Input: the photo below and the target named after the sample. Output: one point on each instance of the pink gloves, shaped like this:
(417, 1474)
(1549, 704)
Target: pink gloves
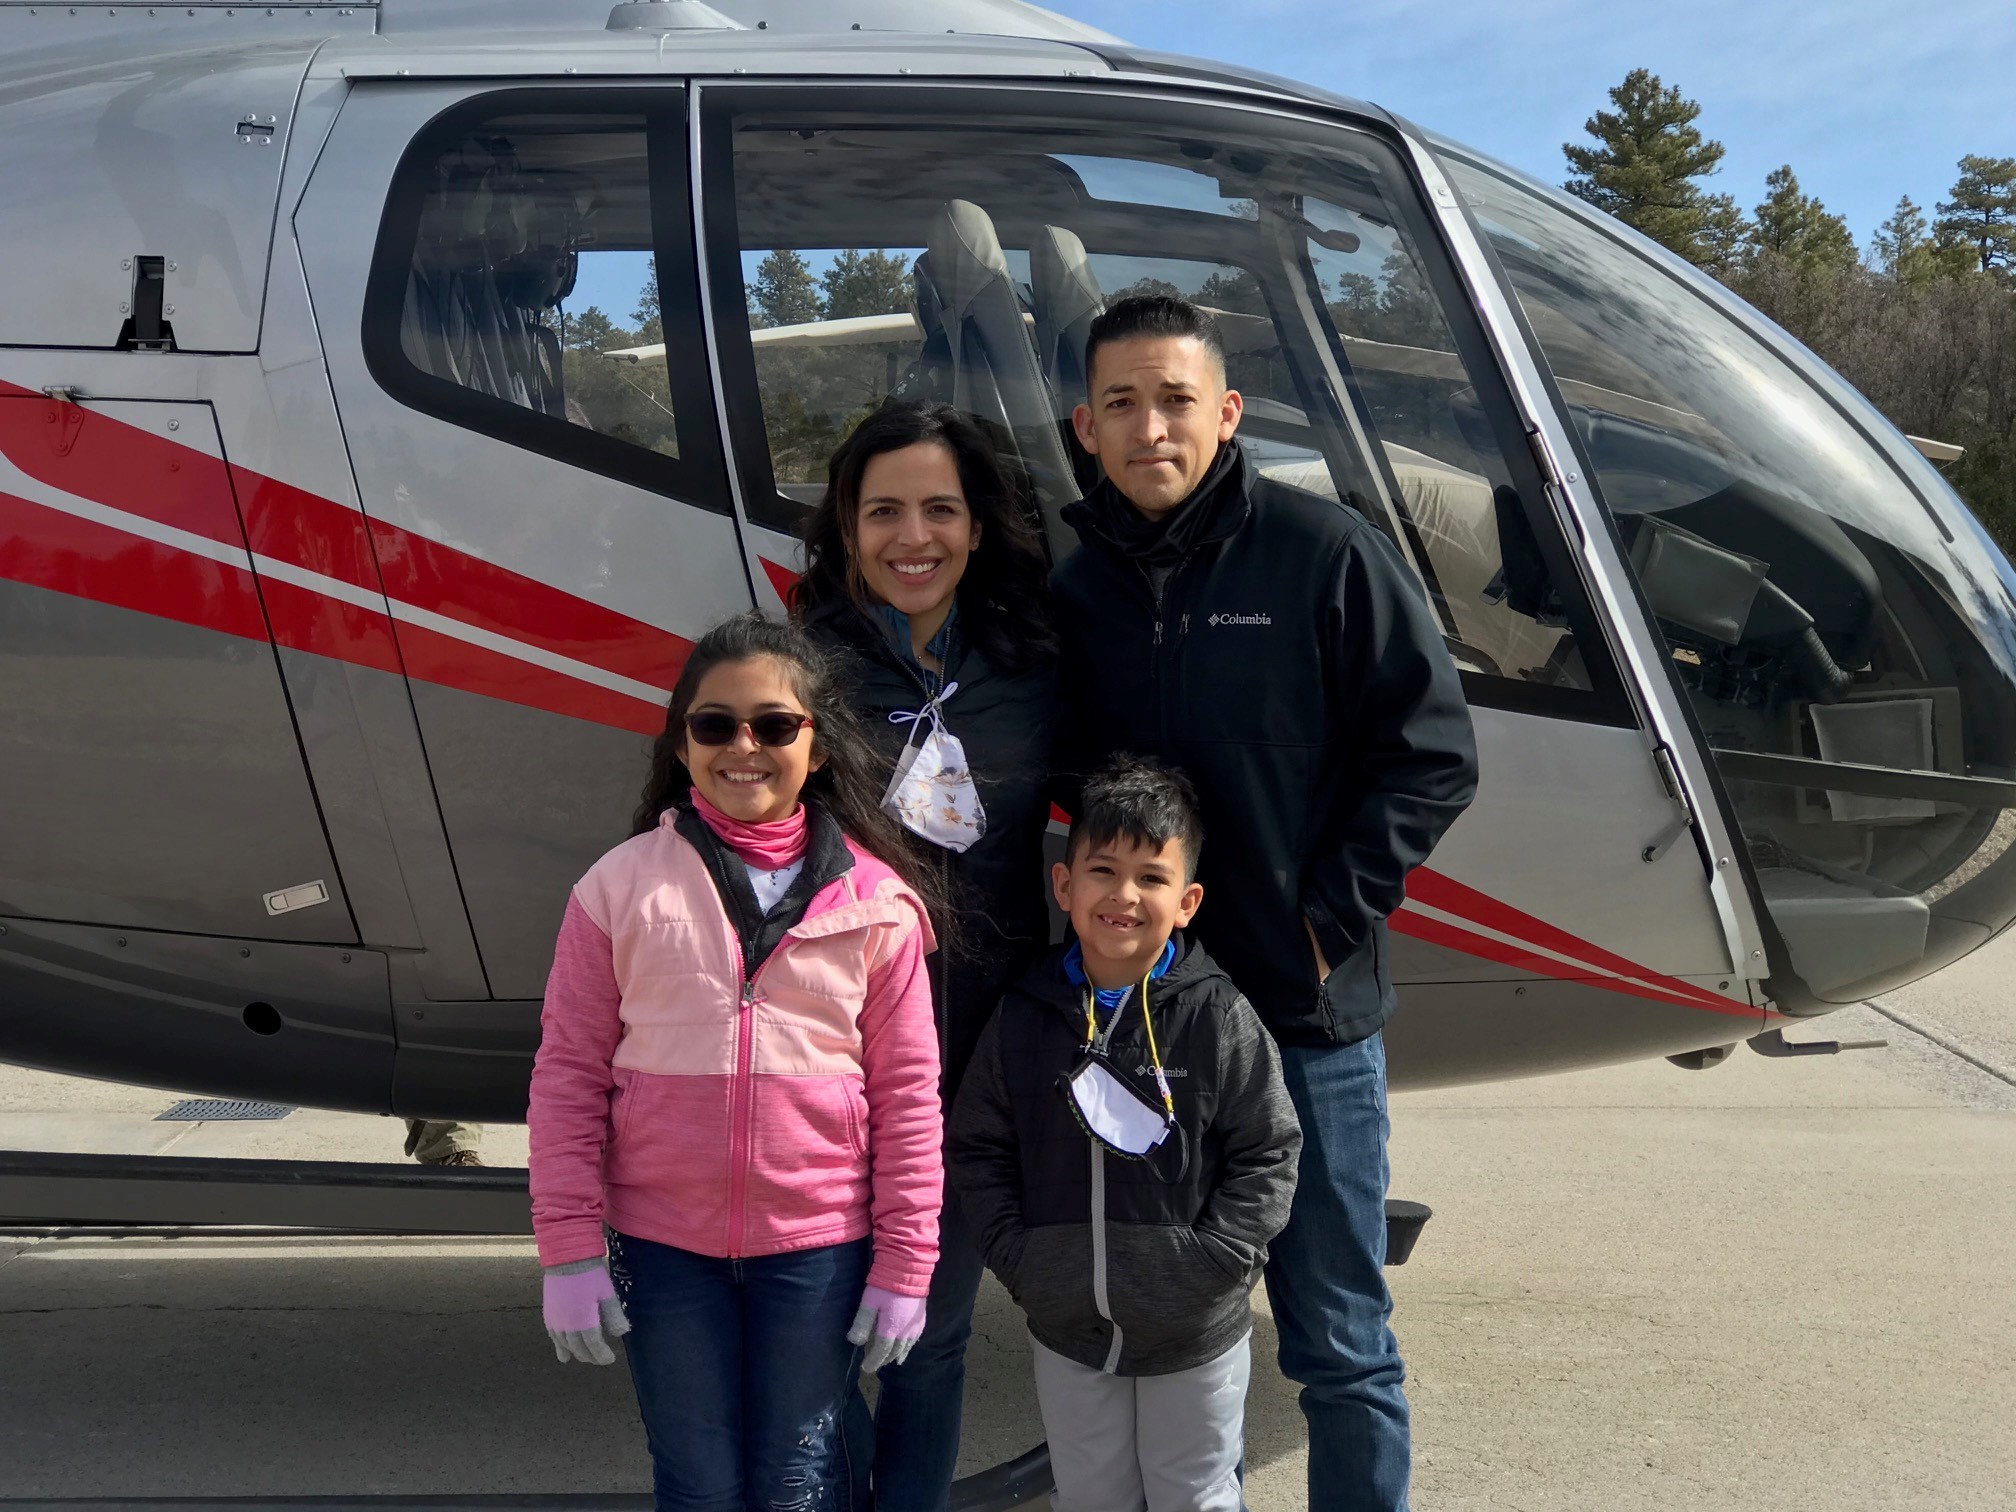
(581, 1307)
(888, 1325)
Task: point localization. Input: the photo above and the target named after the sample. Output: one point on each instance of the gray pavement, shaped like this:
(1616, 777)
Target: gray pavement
(1771, 1285)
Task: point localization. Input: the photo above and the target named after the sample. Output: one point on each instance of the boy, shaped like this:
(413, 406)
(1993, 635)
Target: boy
(1125, 1149)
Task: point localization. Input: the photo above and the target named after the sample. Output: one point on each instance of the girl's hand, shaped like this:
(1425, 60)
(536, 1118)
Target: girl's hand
(889, 1325)
(581, 1308)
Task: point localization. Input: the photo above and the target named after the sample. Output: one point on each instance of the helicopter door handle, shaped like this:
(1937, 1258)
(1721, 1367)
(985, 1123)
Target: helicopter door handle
(1683, 819)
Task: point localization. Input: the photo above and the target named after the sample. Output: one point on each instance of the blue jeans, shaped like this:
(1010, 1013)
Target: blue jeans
(918, 1415)
(742, 1368)
(1327, 1286)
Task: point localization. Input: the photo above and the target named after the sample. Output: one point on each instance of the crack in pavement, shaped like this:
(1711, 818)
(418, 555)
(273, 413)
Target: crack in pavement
(1945, 1042)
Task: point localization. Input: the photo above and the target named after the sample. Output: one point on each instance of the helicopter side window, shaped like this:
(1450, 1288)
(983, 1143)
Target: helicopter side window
(516, 290)
(964, 261)
(1841, 634)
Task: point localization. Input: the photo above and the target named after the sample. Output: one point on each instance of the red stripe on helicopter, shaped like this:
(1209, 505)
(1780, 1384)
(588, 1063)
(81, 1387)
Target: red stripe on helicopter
(47, 548)
(1446, 893)
(782, 578)
(1451, 937)
(130, 468)
(436, 658)
(123, 466)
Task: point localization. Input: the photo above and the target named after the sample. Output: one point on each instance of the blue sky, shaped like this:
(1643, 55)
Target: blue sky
(1866, 99)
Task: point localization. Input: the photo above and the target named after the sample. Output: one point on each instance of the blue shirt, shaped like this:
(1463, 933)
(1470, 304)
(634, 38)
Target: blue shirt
(1109, 999)
(897, 623)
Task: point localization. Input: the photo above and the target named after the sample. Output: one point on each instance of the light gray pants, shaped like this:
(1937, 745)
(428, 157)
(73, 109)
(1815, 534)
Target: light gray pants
(1166, 1443)
(431, 1141)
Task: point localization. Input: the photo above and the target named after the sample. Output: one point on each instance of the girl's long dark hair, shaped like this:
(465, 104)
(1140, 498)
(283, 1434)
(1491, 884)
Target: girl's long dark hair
(1004, 596)
(849, 785)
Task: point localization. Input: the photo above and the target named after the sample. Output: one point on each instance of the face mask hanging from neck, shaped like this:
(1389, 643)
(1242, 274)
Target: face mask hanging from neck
(1112, 1112)
(931, 792)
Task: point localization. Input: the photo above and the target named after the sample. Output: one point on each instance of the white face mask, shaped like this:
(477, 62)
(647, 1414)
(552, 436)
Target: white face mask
(1114, 1113)
(931, 791)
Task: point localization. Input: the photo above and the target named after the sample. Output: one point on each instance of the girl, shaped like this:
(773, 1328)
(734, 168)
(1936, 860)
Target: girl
(923, 570)
(738, 1081)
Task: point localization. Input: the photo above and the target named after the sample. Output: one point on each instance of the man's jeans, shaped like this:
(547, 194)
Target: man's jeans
(742, 1368)
(919, 1411)
(1327, 1286)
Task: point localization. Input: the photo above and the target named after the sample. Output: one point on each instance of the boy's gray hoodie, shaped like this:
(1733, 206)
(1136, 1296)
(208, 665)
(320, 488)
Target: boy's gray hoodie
(1137, 1267)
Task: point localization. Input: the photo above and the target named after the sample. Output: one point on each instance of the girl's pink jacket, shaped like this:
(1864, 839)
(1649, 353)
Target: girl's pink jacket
(677, 1102)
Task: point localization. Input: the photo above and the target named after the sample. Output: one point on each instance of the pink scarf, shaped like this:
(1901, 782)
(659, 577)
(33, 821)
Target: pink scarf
(768, 846)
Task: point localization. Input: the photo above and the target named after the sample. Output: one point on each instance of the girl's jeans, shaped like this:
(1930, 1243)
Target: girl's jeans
(742, 1369)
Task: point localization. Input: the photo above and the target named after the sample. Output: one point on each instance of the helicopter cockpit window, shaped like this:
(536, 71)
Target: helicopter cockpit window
(965, 261)
(529, 281)
(1845, 638)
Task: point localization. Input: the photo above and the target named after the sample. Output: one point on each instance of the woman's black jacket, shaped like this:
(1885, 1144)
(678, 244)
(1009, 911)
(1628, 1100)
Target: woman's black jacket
(998, 888)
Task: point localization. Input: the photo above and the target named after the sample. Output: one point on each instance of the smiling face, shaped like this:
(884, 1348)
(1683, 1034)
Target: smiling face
(1125, 899)
(913, 531)
(1158, 413)
(754, 783)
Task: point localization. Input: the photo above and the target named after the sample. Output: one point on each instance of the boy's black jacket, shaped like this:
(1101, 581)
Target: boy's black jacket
(996, 888)
(1118, 1264)
(1272, 644)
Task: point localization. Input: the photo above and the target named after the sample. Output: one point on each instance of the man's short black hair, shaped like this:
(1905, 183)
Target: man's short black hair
(1140, 800)
(1153, 315)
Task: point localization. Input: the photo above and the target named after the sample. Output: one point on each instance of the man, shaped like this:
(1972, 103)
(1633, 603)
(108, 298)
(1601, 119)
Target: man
(440, 1143)
(1273, 645)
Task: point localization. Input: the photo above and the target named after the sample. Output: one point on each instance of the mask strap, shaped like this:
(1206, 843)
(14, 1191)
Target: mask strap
(932, 711)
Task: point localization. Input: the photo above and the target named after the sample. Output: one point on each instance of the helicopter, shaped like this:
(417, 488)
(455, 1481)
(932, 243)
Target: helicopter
(349, 547)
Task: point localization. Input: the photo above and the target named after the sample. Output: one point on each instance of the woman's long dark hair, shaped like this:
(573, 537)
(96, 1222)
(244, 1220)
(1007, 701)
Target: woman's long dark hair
(1004, 596)
(849, 785)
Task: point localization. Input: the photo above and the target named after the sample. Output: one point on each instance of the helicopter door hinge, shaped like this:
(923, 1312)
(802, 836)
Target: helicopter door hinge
(1683, 820)
(1554, 479)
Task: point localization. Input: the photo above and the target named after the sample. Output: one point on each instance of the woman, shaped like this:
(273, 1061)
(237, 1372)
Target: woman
(923, 567)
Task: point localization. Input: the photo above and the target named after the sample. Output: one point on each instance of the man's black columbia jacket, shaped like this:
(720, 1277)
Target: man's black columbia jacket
(1287, 661)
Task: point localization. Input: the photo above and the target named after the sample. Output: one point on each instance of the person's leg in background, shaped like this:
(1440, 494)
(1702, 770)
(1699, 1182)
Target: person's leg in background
(1190, 1431)
(1327, 1284)
(920, 1407)
(685, 1350)
(443, 1143)
(799, 1371)
(1089, 1418)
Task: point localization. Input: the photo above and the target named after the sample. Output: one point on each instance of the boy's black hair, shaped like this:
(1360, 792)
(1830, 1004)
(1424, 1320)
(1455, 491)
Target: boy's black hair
(1140, 800)
(1153, 315)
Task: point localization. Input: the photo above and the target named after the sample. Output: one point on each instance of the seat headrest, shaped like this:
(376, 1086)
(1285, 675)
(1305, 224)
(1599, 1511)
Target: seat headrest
(1061, 276)
(965, 253)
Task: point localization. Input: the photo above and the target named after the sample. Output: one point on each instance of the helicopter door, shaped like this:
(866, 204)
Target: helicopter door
(551, 521)
(154, 777)
(845, 239)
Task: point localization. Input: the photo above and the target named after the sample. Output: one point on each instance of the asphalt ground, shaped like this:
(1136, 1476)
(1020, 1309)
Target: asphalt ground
(1776, 1284)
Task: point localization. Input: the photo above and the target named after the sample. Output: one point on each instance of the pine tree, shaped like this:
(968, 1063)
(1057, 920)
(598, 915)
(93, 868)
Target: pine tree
(1982, 213)
(1900, 240)
(1643, 168)
(1798, 228)
(871, 283)
(647, 315)
(593, 331)
(1724, 239)
(784, 290)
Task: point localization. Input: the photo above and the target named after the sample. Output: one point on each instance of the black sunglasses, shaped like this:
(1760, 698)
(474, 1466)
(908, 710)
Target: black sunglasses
(777, 729)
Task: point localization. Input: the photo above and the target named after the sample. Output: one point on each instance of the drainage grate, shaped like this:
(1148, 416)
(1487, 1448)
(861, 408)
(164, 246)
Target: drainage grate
(221, 1110)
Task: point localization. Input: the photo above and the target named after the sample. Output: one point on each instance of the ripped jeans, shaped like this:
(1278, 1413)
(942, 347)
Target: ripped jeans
(742, 1368)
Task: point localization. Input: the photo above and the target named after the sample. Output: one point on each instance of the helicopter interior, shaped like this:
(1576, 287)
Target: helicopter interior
(1820, 612)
